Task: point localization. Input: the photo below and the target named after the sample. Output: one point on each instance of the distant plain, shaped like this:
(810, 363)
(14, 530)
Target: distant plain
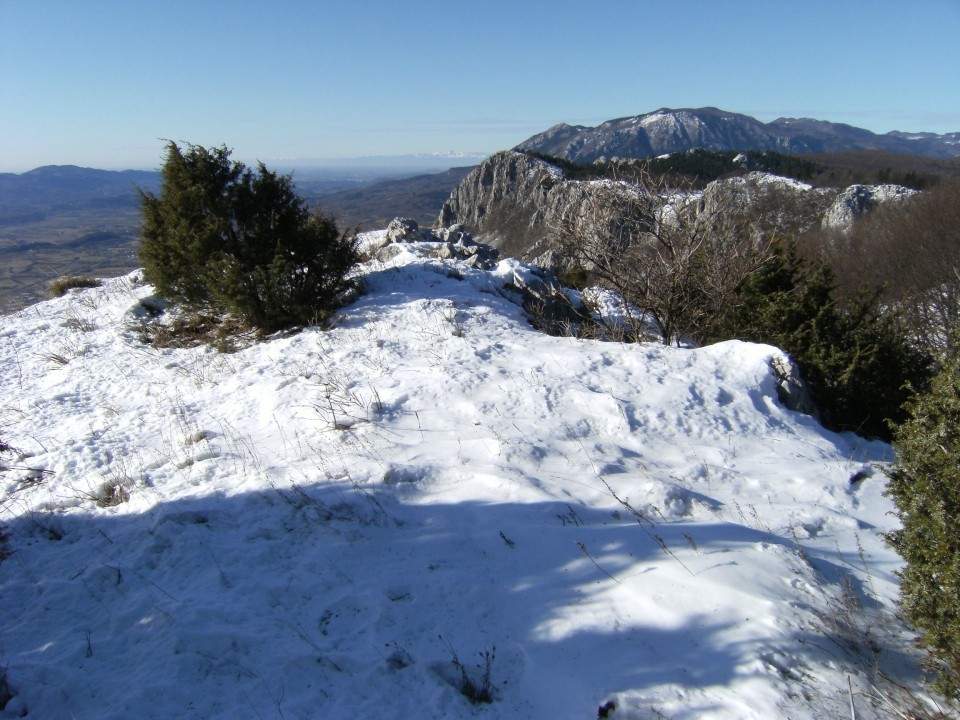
(82, 228)
(102, 243)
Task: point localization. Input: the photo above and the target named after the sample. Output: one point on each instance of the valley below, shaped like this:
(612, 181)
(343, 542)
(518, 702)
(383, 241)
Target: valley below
(101, 243)
(43, 238)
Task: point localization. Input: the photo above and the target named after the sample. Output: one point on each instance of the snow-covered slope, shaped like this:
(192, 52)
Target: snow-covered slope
(324, 525)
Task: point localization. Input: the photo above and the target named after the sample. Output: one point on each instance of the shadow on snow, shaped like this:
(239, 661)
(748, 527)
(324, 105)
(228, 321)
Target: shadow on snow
(326, 597)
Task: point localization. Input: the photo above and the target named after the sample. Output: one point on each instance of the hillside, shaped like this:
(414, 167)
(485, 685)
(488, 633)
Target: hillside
(56, 188)
(358, 522)
(375, 205)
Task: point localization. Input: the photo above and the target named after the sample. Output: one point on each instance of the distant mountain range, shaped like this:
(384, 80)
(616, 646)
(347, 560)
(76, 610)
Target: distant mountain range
(374, 205)
(68, 220)
(57, 188)
(668, 131)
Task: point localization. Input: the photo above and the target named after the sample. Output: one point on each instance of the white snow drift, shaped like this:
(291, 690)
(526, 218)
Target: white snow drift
(323, 525)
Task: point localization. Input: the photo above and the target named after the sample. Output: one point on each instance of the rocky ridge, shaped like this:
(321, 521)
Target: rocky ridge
(517, 203)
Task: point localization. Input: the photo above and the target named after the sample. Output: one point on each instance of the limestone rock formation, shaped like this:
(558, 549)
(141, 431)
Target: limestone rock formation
(517, 203)
(857, 200)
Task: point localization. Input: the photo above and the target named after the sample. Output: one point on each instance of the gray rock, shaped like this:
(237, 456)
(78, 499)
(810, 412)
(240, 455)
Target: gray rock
(791, 390)
(858, 200)
(406, 230)
(452, 243)
(517, 204)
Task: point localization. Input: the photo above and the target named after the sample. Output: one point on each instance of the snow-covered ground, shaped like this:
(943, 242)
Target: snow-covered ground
(344, 523)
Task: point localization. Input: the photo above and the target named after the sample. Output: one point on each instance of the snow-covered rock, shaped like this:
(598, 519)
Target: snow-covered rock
(857, 200)
(450, 243)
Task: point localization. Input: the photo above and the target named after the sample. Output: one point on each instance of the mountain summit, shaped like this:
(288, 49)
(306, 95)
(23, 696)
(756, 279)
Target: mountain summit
(667, 131)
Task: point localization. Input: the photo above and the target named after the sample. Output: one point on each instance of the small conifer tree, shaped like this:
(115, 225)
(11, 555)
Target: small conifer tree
(222, 236)
(925, 486)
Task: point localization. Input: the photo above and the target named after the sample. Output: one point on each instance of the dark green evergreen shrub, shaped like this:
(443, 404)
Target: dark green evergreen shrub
(856, 361)
(222, 236)
(189, 223)
(925, 486)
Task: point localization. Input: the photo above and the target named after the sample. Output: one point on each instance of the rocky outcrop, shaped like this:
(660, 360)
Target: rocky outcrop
(452, 243)
(520, 204)
(773, 204)
(517, 204)
(857, 200)
(505, 201)
(792, 391)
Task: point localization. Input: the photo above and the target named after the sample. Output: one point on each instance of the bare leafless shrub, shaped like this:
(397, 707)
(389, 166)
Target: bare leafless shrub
(4, 537)
(675, 258)
(344, 406)
(196, 437)
(111, 493)
(78, 323)
(477, 688)
(56, 358)
(71, 347)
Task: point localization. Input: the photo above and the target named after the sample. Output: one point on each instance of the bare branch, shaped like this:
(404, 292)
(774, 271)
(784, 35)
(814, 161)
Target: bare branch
(672, 254)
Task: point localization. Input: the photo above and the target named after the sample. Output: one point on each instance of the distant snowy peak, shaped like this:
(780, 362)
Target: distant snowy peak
(676, 130)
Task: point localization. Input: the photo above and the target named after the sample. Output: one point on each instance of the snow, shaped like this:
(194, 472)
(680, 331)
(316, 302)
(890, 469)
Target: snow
(319, 525)
(776, 181)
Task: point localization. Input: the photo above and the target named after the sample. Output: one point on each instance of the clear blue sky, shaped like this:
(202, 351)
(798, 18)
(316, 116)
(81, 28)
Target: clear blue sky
(100, 82)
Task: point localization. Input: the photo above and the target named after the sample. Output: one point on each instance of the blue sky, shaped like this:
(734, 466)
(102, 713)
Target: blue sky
(100, 82)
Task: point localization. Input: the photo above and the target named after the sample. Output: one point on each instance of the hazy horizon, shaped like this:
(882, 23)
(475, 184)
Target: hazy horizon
(371, 164)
